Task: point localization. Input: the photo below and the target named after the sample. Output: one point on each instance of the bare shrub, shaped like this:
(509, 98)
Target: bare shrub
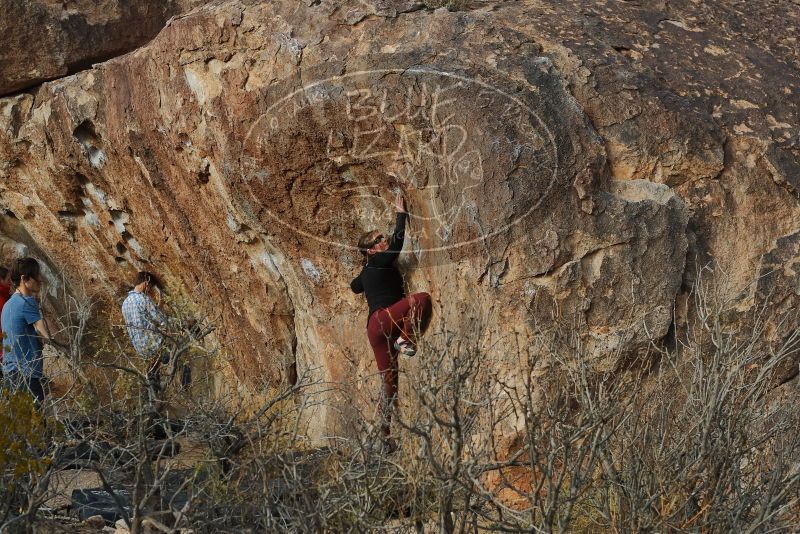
(24, 457)
(676, 439)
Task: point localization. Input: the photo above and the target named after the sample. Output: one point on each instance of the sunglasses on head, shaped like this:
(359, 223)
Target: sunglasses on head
(378, 239)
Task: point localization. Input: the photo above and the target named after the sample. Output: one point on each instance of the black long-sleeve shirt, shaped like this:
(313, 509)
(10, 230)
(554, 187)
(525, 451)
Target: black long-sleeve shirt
(380, 279)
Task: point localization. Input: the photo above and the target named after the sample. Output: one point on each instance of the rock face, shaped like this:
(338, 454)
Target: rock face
(46, 39)
(553, 170)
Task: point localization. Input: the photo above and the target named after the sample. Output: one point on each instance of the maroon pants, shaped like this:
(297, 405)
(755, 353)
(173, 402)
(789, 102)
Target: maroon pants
(405, 317)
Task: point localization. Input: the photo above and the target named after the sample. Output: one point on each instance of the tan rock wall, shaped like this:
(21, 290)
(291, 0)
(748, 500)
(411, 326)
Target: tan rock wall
(245, 149)
(46, 39)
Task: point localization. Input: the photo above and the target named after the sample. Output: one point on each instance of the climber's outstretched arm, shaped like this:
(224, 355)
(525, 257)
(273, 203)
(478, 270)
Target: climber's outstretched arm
(399, 234)
(386, 257)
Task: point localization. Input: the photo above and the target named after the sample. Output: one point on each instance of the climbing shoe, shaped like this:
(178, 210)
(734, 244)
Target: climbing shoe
(404, 347)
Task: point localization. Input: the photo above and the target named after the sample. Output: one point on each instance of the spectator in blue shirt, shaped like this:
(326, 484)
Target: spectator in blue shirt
(24, 329)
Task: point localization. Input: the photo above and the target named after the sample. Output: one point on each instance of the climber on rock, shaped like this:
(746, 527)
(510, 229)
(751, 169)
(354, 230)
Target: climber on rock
(394, 319)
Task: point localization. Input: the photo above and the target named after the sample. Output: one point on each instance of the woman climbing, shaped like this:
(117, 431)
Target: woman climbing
(394, 319)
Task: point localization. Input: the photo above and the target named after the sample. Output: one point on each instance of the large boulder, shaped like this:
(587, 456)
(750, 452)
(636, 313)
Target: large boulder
(46, 39)
(551, 173)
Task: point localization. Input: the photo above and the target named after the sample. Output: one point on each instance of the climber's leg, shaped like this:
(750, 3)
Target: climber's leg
(381, 329)
(400, 320)
(412, 315)
(418, 318)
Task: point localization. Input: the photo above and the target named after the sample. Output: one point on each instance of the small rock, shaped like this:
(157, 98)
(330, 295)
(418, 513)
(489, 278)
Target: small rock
(122, 527)
(95, 521)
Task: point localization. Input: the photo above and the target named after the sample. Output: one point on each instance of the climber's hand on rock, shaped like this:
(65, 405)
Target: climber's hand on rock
(400, 203)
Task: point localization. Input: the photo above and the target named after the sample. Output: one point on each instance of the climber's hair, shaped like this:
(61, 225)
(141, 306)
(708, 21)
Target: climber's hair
(3, 273)
(144, 276)
(27, 267)
(366, 242)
